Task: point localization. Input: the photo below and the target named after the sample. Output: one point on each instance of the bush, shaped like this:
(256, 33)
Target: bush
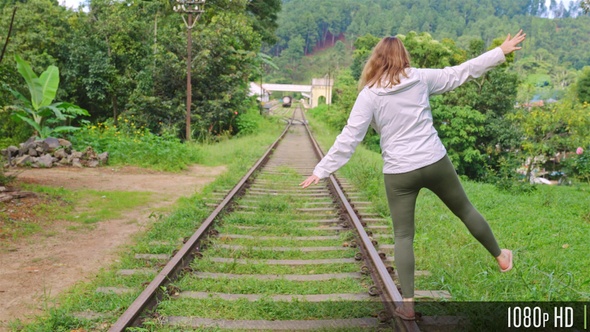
(249, 122)
(578, 166)
(508, 180)
(330, 115)
(128, 144)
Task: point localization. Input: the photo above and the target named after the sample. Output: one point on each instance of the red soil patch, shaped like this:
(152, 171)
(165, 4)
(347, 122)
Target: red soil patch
(36, 268)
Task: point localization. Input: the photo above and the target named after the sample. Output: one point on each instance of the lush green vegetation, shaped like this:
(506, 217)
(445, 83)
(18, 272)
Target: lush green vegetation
(529, 114)
(486, 135)
(130, 144)
(163, 235)
(303, 31)
(546, 228)
(39, 111)
(129, 58)
(81, 208)
(132, 71)
(124, 62)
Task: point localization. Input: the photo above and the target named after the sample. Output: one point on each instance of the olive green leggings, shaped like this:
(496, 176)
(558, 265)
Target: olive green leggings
(402, 191)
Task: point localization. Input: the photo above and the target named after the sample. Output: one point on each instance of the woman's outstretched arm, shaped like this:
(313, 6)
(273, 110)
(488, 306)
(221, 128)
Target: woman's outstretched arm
(353, 133)
(449, 78)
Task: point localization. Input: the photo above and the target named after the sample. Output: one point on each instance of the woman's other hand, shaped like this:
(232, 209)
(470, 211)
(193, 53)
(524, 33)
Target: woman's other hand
(310, 180)
(509, 45)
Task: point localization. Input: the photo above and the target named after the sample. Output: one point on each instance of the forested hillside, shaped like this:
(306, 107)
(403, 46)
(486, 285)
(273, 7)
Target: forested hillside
(127, 59)
(532, 109)
(306, 26)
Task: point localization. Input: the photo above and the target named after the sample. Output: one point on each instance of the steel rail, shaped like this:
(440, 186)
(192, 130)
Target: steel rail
(154, 291)
(390, 295)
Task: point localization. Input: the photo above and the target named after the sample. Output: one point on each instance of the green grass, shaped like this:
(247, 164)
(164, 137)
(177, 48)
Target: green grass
(16, 229)
(547, 229)
(131, 145)
(262, 220)
(163, 234)
(248, 252)
(270, 287)
(286, 242)
(51, 204)
(81, 207)
(107, 205)
(267, 309)
(205, 265)
(90, 206)
(286, 230)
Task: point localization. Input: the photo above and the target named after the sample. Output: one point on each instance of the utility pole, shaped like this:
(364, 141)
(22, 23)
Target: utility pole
(190, 7)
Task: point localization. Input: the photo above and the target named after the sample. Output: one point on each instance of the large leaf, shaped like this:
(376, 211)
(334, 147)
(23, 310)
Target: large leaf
(70, 109)
(32, 80)
(56, 111)
(267, 59)
(24, 111)
(49, 81)
(20, 97)
(65, 129)
(46, 112)
(32, 123)
(45, 132)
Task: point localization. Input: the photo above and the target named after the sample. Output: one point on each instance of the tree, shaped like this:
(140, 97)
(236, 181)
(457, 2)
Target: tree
(583, 86)
(225, 59)
(545, 131)
(363, 47)
(426, 52)
(39, 111)
(290, 59)
(265, 22)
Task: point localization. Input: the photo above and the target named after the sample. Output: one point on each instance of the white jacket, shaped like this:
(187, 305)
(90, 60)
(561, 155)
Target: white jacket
(402, 117)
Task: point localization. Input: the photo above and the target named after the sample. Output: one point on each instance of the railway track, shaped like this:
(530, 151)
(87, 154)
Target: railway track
(272, 256)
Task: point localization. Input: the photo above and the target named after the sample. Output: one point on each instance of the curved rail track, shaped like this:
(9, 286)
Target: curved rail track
(272, 256)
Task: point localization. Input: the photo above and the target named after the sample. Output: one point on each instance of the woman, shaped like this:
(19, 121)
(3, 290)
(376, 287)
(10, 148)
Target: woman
(395, 100)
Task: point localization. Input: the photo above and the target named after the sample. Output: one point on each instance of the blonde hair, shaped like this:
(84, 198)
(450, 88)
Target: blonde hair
(386, 64)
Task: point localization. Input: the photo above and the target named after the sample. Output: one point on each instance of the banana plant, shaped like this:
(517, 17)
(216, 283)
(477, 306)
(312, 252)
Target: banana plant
(39, 111)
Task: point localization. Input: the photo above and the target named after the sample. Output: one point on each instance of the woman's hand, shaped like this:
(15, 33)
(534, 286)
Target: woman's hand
(509, 45)
(310, 180)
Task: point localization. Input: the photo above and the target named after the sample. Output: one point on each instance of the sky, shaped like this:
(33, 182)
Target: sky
(70, 3)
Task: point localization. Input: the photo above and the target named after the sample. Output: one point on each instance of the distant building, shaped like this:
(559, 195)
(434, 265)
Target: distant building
(261, 93)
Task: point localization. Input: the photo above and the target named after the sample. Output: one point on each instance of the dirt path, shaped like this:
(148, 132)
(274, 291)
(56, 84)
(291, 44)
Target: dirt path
(35, 269)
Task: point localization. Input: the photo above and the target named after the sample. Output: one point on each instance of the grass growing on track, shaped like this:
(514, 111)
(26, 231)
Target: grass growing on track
(286, 231)
(164, 235)
(250, 253)
(268, 309)
(548, 231)
(205, 265)
(291, 242)
(270, 287)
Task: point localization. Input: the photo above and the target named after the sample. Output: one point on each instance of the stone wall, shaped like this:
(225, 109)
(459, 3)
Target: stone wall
(51, 152)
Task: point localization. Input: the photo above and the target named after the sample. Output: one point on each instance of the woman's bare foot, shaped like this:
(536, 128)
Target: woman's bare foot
(505, 260)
